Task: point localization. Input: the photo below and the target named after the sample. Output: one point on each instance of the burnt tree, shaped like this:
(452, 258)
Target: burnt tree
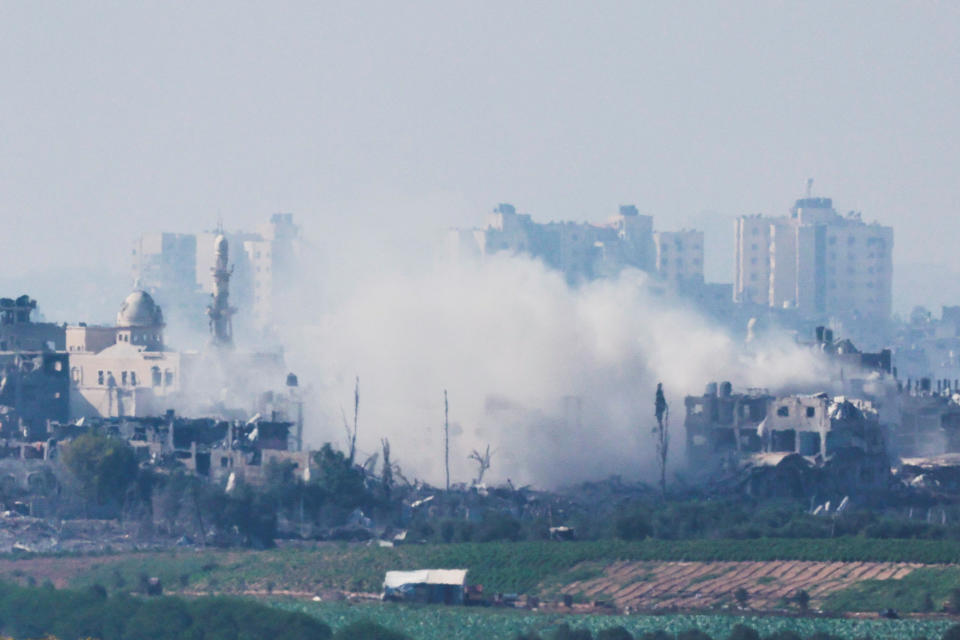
(661, 433)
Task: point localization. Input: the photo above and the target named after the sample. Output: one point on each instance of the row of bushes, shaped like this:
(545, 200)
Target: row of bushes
(40, 612)
(639, 519)
(739, 632)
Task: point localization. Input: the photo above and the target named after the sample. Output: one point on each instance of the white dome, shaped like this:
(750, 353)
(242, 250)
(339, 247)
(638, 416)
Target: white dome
(139, 310)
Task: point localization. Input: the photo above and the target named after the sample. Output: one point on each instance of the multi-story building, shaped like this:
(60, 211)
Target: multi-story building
(815, 261)
(680, 257)
(582, 251)
(177, 270)
(19, 332)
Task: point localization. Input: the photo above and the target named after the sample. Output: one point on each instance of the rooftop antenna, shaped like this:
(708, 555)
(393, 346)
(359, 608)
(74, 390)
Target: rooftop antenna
(809, 186)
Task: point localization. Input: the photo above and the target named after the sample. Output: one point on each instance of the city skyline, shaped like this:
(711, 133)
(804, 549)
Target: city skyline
(358, 126)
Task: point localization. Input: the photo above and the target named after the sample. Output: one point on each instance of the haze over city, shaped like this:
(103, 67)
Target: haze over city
(374, 320)
(379, 124)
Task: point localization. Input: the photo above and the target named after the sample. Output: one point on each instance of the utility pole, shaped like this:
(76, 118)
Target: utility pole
(356, 411)
(446, 438)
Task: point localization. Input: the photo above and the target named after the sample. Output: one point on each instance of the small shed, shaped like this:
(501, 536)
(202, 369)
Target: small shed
(435, 586)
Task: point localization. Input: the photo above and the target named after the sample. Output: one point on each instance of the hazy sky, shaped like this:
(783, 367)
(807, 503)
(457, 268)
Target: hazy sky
(396, 117)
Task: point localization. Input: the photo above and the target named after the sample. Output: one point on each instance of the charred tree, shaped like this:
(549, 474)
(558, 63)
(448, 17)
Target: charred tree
(352, 433)
(661, 433)
(387, 473)
(483, 461)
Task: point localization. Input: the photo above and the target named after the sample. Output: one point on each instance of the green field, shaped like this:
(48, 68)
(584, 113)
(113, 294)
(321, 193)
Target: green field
(457, 623)
(914, 593)
(520, 567)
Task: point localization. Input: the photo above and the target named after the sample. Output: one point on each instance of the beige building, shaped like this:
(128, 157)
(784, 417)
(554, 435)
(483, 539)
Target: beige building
(816, 261)
(752, 277)
(679, 258)
(123, 370)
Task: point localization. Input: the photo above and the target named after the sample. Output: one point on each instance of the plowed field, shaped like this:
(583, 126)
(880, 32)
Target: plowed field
(703, 585)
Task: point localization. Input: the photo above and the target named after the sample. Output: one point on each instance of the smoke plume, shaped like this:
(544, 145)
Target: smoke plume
(559, 380)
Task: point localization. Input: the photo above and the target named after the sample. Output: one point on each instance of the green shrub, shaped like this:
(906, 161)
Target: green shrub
(743, 632)
(614, 633)
(366, 630)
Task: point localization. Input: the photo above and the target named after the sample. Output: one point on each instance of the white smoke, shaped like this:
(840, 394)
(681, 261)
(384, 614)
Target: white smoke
(559, 381)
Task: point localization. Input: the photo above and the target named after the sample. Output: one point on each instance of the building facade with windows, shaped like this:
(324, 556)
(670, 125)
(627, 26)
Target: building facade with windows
(581, 251)
(680, 257)
(816, 261)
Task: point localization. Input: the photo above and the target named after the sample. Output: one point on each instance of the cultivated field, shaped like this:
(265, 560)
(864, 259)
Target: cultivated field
(708, 585)
(838, 574)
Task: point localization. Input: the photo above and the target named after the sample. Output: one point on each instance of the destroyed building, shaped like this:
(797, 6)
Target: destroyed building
(787, 446)
(34, 389)
(19, 332)
(720, 423)
(34, 380)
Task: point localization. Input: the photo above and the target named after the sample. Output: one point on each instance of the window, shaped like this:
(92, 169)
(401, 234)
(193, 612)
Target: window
(155, 375)
(123, 378)
(75, 374)
(168, 378)
(811, 411)
(100, 377)
(133, 378)
(783, 412)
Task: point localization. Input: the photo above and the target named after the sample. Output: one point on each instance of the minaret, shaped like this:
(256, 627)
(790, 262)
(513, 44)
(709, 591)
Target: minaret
(220, 311)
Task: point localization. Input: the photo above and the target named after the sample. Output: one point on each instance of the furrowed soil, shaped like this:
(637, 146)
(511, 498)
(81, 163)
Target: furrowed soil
(711, 585)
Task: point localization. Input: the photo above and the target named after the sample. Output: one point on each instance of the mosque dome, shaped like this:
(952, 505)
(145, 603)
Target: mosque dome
(139, 310)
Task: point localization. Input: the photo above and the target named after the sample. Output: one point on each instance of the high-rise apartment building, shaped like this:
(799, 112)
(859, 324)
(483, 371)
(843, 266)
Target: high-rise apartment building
(816, 261)
(680, 257)
(582, 251)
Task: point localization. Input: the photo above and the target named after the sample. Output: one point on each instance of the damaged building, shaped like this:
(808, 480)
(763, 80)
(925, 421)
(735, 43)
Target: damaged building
(34, 379)
(787, 446)
(721, 423)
